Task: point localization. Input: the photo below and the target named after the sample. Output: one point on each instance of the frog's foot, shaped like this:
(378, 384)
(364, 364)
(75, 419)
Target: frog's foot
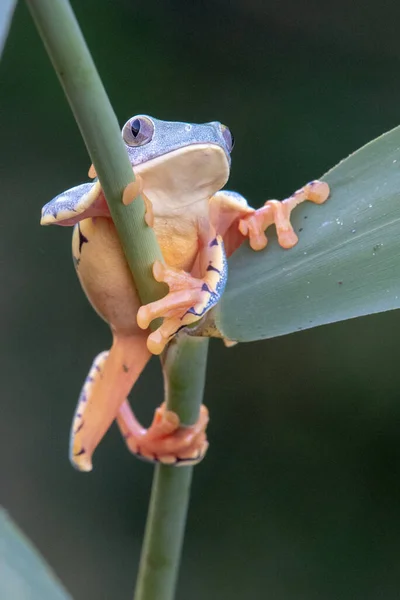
(166, 440)
(229, 343)
(92, 172)
(273, 211)
(189, 297)
(132, 191)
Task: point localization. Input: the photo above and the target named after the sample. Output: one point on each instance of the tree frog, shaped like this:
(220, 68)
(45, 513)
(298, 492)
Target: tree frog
(180, 169)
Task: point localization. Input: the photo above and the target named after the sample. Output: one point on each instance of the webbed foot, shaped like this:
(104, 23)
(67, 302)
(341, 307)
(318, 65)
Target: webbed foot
(188, 298)
(273, 211)
(165, 441)
(132, 191)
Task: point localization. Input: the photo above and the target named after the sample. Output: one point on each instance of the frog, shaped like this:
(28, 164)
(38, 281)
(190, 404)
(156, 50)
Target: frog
(180, 171)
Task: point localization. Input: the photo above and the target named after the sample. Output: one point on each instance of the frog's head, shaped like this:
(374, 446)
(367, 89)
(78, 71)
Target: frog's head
(180, 163)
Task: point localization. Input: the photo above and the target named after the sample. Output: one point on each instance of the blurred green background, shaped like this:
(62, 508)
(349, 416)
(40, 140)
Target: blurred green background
(299, 496)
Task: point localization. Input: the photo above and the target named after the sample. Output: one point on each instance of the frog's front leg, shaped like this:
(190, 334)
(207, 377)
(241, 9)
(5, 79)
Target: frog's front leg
(278, 213)
(235, 220)
(189, 297)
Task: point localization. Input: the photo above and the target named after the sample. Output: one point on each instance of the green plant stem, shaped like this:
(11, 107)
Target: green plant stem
(99, 127)
(184, 361)
(184, 372)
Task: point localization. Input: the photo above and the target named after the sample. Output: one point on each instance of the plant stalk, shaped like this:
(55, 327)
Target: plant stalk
(184, 361)
(101, 133)
(184, 372)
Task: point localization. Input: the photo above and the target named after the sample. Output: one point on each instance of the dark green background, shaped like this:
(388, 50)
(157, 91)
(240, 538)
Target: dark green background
(299, 496)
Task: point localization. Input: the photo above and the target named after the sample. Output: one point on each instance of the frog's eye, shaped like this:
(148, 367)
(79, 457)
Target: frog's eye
(228, 137)
(138, 131)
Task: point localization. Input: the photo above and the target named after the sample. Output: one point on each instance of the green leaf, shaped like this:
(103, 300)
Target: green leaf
(24, 573)
(7, 8)
(345, 265)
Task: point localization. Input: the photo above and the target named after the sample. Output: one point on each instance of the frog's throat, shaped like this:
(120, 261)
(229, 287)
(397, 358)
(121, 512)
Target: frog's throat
(183, 177)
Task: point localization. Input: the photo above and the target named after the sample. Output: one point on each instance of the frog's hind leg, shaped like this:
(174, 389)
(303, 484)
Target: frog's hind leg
(166, 440)
(108, 384)
(189, 297)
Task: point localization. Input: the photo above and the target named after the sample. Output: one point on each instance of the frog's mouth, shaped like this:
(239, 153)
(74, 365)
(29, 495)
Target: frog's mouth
(172, 182)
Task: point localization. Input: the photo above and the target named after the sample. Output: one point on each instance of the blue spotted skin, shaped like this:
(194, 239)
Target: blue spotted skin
(236, 199)
(168, 137)
(174, 135)
(71, 203)
(214, 280)
(78, 420)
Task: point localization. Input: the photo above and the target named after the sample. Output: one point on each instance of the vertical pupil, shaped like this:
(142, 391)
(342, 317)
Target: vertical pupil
(135, 127)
